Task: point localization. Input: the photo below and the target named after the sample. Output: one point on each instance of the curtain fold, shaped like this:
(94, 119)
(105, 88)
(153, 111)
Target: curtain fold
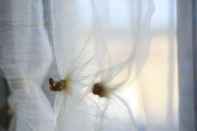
(25, 56)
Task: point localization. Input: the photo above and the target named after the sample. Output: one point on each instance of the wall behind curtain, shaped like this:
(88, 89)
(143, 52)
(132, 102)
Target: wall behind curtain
(186, 64)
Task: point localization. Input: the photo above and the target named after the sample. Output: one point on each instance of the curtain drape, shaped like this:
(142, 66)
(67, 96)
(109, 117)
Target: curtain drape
(25, 57)
(116, 60)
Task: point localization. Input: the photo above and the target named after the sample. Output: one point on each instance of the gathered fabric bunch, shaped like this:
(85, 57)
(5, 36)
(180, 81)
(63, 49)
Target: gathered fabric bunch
(88, 82)
(45, 32)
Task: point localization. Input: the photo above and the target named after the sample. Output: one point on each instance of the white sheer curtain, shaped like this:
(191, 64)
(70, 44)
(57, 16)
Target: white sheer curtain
(25, 56)
(129, 45)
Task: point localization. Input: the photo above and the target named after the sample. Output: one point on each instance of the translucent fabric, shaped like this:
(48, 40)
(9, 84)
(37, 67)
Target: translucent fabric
(106, 42)
(90, 32)
(113, 40)
(25, 56)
